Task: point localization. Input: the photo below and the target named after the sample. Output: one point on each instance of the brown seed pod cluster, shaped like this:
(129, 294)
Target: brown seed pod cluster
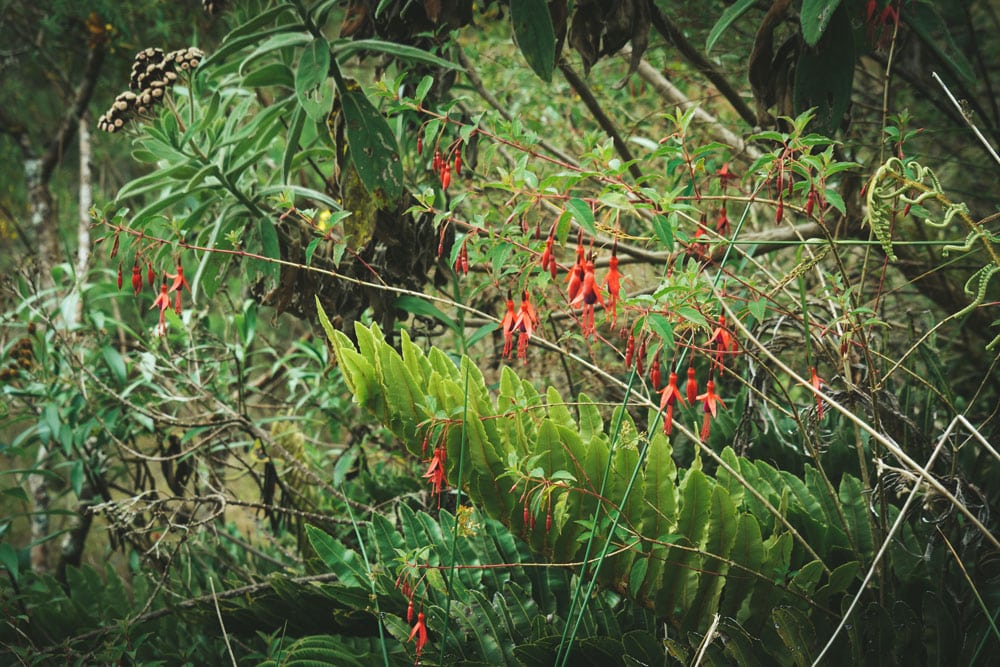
(153, 72)
(213, 7)
(22, 357)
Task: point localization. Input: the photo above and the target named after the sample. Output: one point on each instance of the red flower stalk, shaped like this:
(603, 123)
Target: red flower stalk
(527, 319)
(136, 279)
(816, 381)
(507, 325)
(670, 395)
(691, 388)
(613, 282)
(589, 294)
(711, 399)
(420, 632)
(435, 472)
(163, 302)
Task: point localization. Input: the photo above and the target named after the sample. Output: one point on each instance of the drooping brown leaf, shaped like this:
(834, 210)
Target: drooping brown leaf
(761, 70)
(433, 9)
(355, 19)
(601, 28)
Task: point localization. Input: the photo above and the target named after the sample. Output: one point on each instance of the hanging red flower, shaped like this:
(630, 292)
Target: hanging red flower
(668, 398)
(711, 406)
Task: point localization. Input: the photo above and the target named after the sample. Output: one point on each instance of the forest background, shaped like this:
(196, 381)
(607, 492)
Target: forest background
(396, 331)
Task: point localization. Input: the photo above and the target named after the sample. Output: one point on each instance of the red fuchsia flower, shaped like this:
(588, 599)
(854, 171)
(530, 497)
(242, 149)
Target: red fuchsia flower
(654, 372)
(722, 224)
(691, 387)
(613, 282)
(881, 24)
(136, 279)
(527, 320)
(150, 274)
(711, 399)
(722, 341)
(163, 303)
(668, 398)
(630, 350)
(589, 294)
(816, 381)
(640, 358)
(507, 325)
(462, 260)
(420, 632)
(119, 275)
(435, 472)
(180, 282)
(725, 175)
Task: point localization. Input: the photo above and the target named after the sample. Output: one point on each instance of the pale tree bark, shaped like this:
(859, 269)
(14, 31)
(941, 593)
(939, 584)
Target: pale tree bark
(39, 166)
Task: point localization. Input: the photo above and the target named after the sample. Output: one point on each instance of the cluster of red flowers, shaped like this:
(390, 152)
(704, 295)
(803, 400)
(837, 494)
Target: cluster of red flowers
(442, 165)
(419, 631)
(522, 322)
(881, 24)
(162, 301)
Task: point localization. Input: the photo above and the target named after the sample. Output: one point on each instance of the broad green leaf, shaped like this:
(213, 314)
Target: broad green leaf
(583, 215)
(722, 529)
(372, 147)
(796, 632)
(925, 20)
(664, 228)
(115, 362)
(854, 504)
(282, 40)
(824, 76)
(423, 307)
(535, 35)
(748, 555)
(312, 80)
(661, 327)
(273, 74)
(733, 12)
(9, 559)
(815, 17)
